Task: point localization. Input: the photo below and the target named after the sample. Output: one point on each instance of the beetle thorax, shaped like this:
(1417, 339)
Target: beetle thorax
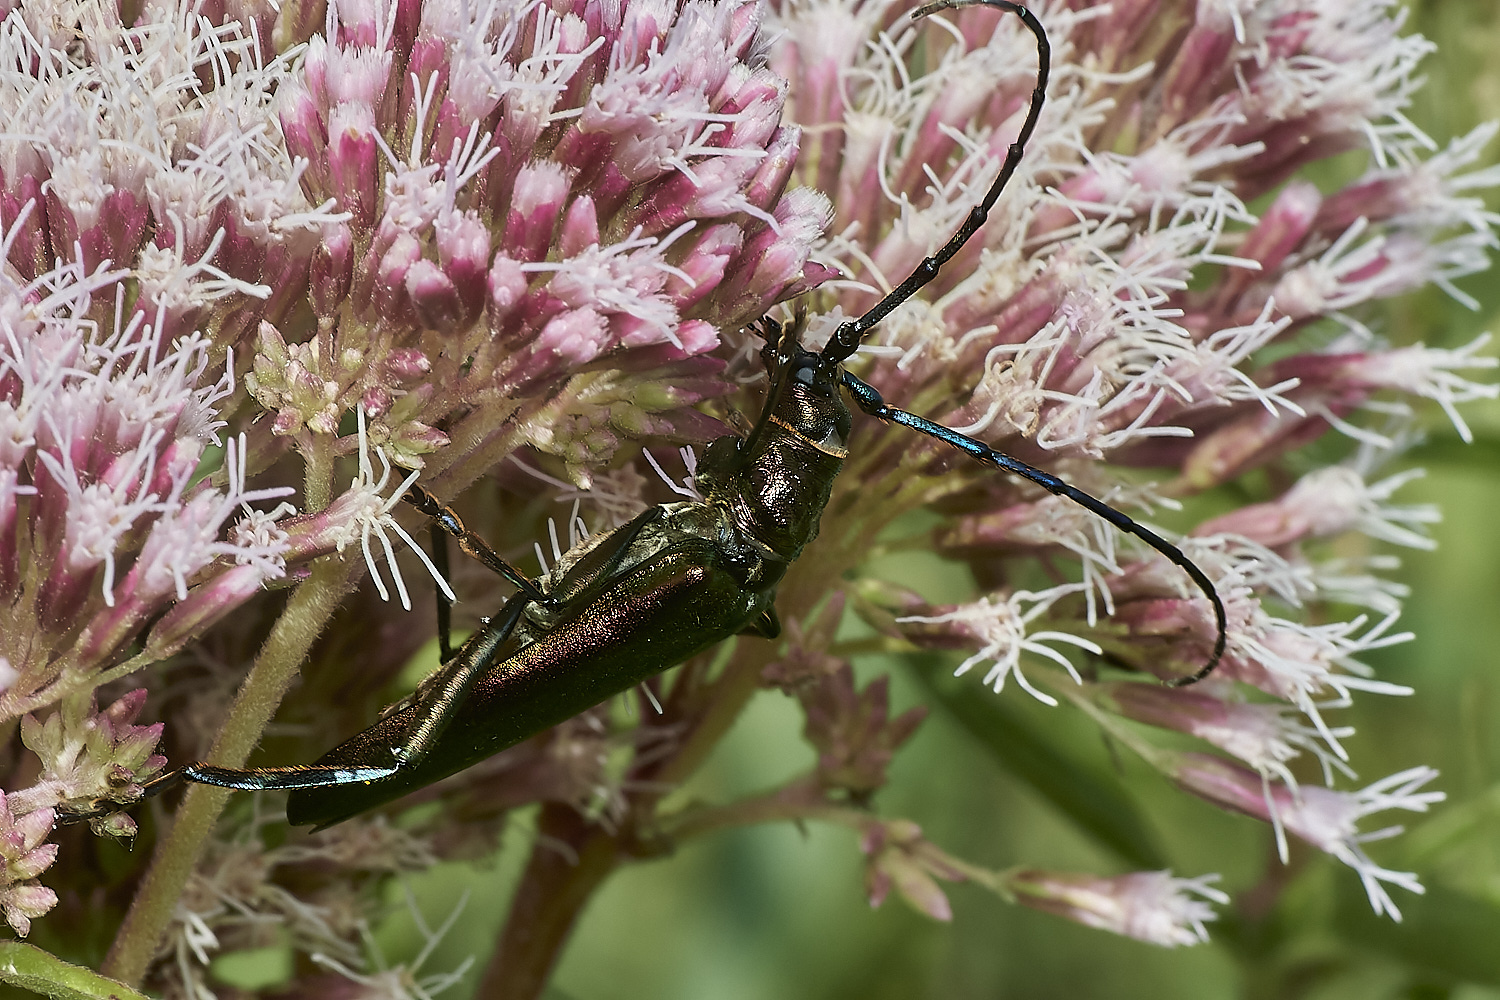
(776, 488)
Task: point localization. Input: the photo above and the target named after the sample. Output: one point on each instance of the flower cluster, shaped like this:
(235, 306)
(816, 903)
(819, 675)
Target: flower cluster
(527, 190)
(501, 245)
(524, 224)
(1116, 307)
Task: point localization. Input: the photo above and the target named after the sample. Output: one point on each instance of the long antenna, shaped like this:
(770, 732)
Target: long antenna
(847, 338)
(868, 399)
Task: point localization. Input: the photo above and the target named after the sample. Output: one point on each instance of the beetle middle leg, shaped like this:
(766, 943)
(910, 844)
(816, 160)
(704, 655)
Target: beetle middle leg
(445, 520)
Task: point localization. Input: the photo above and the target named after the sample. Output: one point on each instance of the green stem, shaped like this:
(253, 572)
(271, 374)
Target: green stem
(317, 482)
(179, 850)
(800, 800)
(803, 799)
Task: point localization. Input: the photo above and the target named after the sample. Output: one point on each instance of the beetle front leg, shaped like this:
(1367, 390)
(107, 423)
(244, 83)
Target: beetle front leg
(445, 519)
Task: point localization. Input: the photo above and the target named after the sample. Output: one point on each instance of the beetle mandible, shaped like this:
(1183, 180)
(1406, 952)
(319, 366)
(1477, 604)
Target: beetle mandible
(679, 578)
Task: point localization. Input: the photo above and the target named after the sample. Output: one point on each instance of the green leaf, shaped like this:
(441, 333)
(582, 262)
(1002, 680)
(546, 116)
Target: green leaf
(31, 968)
(1039, 759)
(1442, 932)
(1450, 449)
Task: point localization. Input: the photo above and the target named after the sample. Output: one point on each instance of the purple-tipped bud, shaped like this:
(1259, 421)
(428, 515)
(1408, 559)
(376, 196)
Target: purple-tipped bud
(434, 299)
(772, 261)
(1191, 81)
(540, 190)
(463, 245)
(28, 239)
(1280, 231)
(405, 364)
(505, 286)
(331, 269)
(206, 604)
(901, 859)
(705, 265)
(375, 401)
(580, 228)
(771, 177)
(306, 137)
(389, 296)
(574, 338)
(353, 159)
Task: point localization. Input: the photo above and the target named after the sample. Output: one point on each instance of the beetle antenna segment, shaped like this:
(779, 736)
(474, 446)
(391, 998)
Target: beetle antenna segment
(868, 399)
(846, 339)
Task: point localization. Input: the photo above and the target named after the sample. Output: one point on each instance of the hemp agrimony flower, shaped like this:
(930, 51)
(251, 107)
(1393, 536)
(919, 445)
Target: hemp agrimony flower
(264, 265)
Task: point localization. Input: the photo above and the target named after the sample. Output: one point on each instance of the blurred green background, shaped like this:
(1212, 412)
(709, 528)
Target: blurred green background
(780, 912)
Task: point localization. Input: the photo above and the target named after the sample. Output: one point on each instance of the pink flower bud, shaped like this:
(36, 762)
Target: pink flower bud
(1279, 232)
(1226, 784)
(433, 297)
(901, 858)
(1148, 906)
(580, 228)
(405, 364)
(572, 339)
(705, 264)
(1170, 637)
(389, 297)
(770, 180)
(331, 269)
(540, 190)
(1321, 504)
(20, 202)
(463, 245)
(353, 159)
(1191, 82)
(505, 285)
(24, 903)
(376, 400)
(303, 126)
(206, 604)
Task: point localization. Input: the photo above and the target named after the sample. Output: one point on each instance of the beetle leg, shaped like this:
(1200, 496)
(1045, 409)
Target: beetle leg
(472, 544)
(444, 606)
(443, 692)
(434, 711)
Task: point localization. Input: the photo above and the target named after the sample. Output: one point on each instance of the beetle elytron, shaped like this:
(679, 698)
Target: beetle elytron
(677, 579)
